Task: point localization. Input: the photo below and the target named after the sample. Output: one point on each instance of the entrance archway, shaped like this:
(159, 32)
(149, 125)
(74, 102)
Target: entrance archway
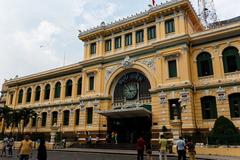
(130, 116)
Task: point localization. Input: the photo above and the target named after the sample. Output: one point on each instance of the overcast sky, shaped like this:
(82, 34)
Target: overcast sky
(36, 34)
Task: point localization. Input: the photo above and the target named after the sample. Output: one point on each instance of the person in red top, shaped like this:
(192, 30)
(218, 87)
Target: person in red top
(140, 148)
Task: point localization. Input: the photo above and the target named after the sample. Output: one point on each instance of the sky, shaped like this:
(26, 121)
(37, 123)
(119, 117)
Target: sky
(38, 35)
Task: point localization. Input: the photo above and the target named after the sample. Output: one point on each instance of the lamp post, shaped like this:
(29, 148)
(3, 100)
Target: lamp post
(36, 128)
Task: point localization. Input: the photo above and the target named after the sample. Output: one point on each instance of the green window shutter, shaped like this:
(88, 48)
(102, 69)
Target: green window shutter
(93, 48)
(66, 118)
(20, 96)
(68, 88)
(213, 108)
(128, 39)
(199, 67)
(151, 32)
(79, 89)
(118, 42)
(169, 26)
(38, 91)
(57, 90)
(91, 83)
(44, 119)
(89, 115)
(210, 66)
(172, 68)
(77, 114)
(108, 45)
(139, 36)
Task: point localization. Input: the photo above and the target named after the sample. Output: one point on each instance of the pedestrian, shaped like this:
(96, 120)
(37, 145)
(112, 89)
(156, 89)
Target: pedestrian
(42, 151)
(191, 149)
(63, 142)
(10, 146)
(181, 149)
(25, 149)
(163, 148)
(149, 150)
(140, 148)
(113, 137)
(116, 138)
(4, 146)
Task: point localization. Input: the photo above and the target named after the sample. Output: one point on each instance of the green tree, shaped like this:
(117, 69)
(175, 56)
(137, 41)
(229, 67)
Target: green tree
(224, 132)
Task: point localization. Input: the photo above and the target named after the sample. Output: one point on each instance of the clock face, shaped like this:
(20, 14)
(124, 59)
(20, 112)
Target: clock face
(130, 91)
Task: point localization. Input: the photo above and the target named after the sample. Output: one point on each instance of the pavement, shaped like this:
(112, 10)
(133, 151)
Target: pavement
(106, 154)
(133, 152)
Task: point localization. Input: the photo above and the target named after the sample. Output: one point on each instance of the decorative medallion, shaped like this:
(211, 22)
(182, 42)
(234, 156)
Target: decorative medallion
(221, 95)
(150, 63)
(163, 98)
(81, 104)
(127, 62)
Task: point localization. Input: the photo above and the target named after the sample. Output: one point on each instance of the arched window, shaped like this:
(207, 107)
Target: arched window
(68, 88)
(234, 103)
(54, 117)
(38, 93)
(57, 92)
(231, 59)
(79, 87)
(47, 92)
(29, 94)
(44, 119)
(20, 96)
(77, 114)
(66, 118)
(209, 109)
(204, 64)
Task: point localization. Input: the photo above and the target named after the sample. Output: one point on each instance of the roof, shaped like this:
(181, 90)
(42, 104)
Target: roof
(135, 17)
(230, 21)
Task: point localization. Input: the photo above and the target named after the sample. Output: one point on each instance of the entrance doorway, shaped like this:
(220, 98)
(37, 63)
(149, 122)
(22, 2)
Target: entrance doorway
(129, 129)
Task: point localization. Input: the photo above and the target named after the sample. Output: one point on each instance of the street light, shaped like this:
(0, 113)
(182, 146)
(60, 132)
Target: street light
(36, 129)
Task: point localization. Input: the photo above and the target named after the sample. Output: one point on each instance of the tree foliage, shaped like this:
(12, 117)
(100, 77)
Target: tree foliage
(224, 132)
(15, 117)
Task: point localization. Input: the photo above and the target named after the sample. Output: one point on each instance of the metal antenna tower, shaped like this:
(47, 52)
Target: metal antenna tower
(207, 13)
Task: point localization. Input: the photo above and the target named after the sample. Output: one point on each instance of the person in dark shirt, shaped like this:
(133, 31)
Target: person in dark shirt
(140, 148)
(42, 152)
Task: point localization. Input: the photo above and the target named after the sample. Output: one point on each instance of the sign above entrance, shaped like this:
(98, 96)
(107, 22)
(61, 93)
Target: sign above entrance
(126, 113)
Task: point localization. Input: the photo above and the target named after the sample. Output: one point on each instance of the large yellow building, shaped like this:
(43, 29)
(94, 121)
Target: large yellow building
(135, 74)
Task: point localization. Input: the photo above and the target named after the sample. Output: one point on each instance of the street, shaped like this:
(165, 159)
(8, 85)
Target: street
(56, 155)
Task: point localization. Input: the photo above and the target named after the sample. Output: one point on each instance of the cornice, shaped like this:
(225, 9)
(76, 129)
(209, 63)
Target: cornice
(215, 34)
(175, 5)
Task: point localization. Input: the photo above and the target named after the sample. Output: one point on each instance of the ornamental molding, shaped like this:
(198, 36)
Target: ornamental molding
(221, 94)
(163, 98)
(109, 72)
(184, 97)
(150, 63)
(127, 62)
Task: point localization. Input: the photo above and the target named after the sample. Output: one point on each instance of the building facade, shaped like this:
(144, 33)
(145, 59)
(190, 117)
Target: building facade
(136, 74)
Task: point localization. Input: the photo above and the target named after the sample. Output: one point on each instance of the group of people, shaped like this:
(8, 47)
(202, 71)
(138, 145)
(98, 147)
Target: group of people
(181, 145)
(25, 150)
(7, 147)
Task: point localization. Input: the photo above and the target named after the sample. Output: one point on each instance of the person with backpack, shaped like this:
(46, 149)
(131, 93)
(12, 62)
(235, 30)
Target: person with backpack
(191, 149)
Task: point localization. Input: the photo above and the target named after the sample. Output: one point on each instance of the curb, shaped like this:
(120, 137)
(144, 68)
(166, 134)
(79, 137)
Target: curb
(120, 153)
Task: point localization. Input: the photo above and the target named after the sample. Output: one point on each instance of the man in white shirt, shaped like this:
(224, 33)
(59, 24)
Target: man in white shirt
(181, 149)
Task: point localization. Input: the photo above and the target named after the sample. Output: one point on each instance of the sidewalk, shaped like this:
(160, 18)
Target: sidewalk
(133, 152)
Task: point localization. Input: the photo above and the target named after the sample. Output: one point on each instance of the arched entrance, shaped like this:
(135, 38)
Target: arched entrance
(130, 116)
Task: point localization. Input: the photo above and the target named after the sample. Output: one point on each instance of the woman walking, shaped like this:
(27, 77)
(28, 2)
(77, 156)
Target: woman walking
(42, 152)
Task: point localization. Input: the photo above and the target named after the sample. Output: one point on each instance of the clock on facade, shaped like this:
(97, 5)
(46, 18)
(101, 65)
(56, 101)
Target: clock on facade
(130, 90)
